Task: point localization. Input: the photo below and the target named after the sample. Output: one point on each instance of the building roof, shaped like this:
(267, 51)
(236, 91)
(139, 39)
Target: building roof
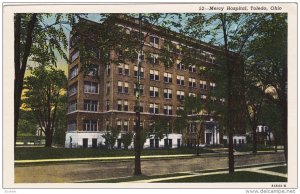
(158, 30)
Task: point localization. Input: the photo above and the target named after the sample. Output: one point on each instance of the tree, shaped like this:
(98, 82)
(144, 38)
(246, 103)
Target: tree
(254, 101)
(27, 123)
(127, 139)
(271, 117)
(111, 137)
(37, 40)
(235, 31)
(267, 55)
(44, 90)
(160, 128)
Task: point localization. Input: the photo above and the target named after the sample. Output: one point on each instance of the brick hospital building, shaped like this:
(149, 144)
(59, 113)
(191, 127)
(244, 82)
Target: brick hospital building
(105, 97)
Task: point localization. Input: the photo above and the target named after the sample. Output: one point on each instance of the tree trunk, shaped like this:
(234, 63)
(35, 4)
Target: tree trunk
(254, 140)
(20, 69)
(48, 137)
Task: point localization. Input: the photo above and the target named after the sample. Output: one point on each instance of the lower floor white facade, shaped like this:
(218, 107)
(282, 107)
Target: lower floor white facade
(95, 139)
(237, 139)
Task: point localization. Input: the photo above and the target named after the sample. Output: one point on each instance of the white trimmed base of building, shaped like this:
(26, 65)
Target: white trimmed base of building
(95, 139)
(237, 139)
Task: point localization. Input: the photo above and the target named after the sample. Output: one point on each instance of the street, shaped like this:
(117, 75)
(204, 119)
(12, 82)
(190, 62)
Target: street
(82, 171)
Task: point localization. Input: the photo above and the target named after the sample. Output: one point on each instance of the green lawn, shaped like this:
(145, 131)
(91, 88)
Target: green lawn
(280, 169)
(241, 176)
(30, 153)
(248, 148)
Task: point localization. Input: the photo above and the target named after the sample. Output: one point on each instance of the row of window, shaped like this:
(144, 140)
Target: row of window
(88, 87)
(123, 87)
(123, 105)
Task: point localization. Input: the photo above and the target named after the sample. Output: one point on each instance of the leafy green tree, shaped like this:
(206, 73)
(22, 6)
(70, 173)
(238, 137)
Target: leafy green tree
(233, 32)
(160, 128)
(254, 101)
(37, 40)
(27, 123)
(127, 139)
(271, 117)
(111, 137)
(44, 89)
(267, 57)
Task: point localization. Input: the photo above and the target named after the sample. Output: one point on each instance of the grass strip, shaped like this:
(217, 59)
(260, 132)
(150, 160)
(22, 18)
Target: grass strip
(241, 176)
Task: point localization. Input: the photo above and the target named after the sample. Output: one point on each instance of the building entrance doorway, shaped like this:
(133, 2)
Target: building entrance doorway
(208, 138)
(84, 142)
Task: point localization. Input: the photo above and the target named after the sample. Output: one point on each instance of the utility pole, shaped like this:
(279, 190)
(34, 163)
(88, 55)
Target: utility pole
(137, 140)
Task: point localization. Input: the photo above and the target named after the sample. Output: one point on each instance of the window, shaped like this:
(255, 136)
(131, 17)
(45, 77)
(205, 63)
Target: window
(213, 99)
(119, 124)
(126, 70)
(203, 97)
(212, 85)
(73, 72)
(141, 125)
(153, 108)
(136, 72)
(141, 89)
(107, 125)
(93, 70)
(90, 87)
(192, 68)
(141, 107)
(180, 80)
(107, 105)
(153, 91)
(120, 69)
(192, 94)
(178, 48)
(167, 110)
(180, 95)
(73, 89)
(125, 126)
(180, 108)
(90, 125)
(107, 87)
(119, 105)
(125, 105)
(71, 126)
(154, 75)
(180, 65)
(90, 105)
(153, 59)
(167, 77)
(72, 106)
(222, 100)
(120, 87)
(203, 84)
(74, 40)
(168, 93)
(154, 41)
(74, 56)
(126, 88)
(192, 82)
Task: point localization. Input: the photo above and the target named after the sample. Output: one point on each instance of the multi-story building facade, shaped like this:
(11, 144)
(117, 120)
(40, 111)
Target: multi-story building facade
(105, 97)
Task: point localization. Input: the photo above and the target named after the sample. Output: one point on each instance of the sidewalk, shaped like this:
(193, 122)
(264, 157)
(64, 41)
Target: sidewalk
(196, 174)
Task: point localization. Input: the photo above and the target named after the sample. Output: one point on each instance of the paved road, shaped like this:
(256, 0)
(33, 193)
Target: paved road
(72, 172)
